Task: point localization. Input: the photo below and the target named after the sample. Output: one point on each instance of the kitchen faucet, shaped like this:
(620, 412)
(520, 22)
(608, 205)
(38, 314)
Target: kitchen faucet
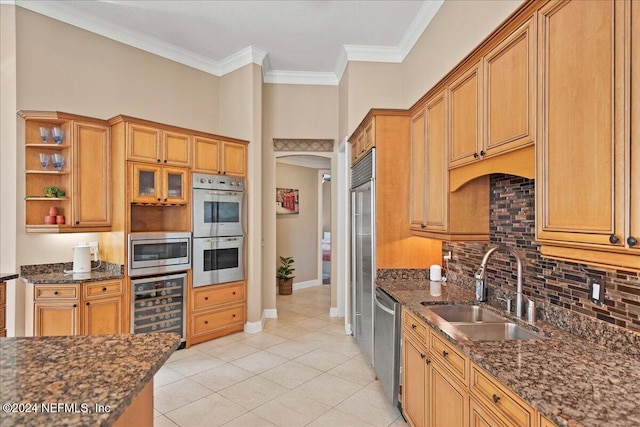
(481, 277)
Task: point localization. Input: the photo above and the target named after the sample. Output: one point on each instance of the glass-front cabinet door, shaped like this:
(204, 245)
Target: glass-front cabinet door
(175, 185)
(146, 183)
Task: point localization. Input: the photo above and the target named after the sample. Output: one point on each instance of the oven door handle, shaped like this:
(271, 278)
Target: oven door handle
(224, 193)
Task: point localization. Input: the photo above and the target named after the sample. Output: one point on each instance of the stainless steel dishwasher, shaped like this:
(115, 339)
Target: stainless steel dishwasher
(386, 343)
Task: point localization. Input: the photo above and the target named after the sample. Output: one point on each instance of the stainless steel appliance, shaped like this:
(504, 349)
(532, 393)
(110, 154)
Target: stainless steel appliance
(217, 205)
(159, 252)
(363, 251)
(157, 304)
(386, 344)
(218, 260)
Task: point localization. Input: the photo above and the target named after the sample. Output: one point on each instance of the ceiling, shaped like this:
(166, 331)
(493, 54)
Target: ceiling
(295, 41)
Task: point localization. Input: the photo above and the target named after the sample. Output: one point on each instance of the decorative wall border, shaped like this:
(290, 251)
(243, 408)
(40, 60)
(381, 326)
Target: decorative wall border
(307, 145)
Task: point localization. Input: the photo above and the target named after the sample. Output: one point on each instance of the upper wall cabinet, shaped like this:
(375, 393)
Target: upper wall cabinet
(154, 145)
(78, 164)
(219, 157)
(587, 152)
(492, 102)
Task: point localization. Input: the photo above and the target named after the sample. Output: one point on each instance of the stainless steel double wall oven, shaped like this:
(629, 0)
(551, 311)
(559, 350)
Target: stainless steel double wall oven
(218, 229)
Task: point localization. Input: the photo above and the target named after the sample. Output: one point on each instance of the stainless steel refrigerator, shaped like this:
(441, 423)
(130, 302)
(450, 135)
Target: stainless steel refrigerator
(363, 252)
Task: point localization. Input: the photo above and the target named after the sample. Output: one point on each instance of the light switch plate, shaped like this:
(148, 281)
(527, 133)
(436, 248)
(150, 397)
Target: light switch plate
(596, 291)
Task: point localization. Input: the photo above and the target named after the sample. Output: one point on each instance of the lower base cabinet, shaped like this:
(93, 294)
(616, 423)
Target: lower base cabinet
(216, 311)
(441, 387)
(56, 309)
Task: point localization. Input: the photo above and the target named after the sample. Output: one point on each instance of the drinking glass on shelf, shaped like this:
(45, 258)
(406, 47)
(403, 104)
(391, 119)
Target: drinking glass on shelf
(58, 161)
(58, 135)
(44, 134)
(44, 160)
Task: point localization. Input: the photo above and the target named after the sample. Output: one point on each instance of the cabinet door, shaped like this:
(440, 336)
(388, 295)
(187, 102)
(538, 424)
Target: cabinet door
(634, 214)
(176, 149)
(175, 181)
(56, 318)
(449, 402)
(437, 182)
(146, 181)
(234, 159)
(102, 316)
(580, 147)
(206, 155)
(481, 417)
(465, 115)
(509, 74)
(414, 378)
(370, 135)
(143, 143)
(91, 174)
(418, 162)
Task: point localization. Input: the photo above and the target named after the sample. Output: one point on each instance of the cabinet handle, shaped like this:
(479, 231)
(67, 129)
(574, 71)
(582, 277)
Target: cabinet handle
(482, 153)
(423, 226)
(444, 353)
(613, 239)
(428, 361)
(632, 241)
(413, 326)
(495, 398)
(104, 289)
(475, 155)
(422, 356)
(77, 222)
(88, 304)
(55, 292)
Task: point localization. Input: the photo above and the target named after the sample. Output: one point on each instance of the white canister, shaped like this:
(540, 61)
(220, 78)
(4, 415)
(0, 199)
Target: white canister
(435, 288)
(435, 273)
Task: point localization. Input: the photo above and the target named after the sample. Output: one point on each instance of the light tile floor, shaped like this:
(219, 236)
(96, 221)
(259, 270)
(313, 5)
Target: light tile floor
(301, 370)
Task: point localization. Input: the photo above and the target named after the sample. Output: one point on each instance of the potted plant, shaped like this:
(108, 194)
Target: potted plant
(285, 276)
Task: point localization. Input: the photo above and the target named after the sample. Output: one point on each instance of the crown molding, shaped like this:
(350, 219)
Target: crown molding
(58, 10)
(323, 78)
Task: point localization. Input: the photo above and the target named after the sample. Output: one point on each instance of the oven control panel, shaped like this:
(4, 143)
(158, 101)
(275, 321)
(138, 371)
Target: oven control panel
(217, 182)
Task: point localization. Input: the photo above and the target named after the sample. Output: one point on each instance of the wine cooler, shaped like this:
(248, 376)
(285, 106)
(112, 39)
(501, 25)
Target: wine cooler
(157, 304)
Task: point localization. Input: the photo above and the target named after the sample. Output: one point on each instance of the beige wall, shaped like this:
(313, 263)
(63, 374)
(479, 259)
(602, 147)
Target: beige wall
(455, 30)
(326, 206)
(297, 235)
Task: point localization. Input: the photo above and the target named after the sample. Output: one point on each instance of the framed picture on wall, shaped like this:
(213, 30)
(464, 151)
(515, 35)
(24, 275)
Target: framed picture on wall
(287, 202)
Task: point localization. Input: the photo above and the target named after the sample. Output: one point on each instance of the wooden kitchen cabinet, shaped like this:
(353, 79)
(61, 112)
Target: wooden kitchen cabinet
(155, 184)
(56, 309)
(3, 309)
(215, 311)
(85, 177)
(219, 157)
(153, 144)
(449, 405)
(415, 373)
(464, 95)
(587, 203)
(436, 211)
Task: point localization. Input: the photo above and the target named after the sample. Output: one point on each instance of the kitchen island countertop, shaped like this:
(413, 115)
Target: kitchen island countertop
(79, 372)
(568, 379)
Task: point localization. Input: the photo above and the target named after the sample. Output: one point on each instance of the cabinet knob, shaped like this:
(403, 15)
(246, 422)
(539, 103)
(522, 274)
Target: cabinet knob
(75, 305)
(165, 160)
(475, 155)
(165, 200)
(234, 292)
(413, 326)
(158, 160)
(444, 353)
(482, 153)
(77, 222)
(613, 239)
(206, 298)
(423, 226)
(632, 241)
(495, 398)
(158, 198)
(206, 322)
(88, 304)
(104, 289)
(234, 315)
(55, 292)
(224, 173)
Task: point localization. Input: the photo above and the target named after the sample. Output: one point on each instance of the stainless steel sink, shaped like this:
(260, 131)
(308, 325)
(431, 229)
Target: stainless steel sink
(466, 314)
(496, 332)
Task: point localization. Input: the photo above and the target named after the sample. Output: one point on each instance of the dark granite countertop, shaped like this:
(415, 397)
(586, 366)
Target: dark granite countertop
(54, 273)
(101, 369)
(8, 276)
(569, 380)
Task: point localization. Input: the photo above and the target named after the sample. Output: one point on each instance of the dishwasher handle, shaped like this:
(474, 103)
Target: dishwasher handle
(382, 307)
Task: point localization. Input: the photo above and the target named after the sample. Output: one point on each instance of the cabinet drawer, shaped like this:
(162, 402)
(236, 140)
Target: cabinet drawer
(210, 296)
(417, 326)
(99, 289)
(511, 409)
(3, 293)
(210, 321)
(449, 357)
(52, 292)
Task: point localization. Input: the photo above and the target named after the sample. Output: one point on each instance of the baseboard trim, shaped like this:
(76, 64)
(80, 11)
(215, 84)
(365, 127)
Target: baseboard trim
(306, 284)
(254, 327)
(333, 312)
(270, 313)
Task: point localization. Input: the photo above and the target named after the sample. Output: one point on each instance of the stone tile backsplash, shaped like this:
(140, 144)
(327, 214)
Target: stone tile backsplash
(560, 289)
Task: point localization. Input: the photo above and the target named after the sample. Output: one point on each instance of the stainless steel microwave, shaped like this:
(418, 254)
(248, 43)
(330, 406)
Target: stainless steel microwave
(159, 252)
